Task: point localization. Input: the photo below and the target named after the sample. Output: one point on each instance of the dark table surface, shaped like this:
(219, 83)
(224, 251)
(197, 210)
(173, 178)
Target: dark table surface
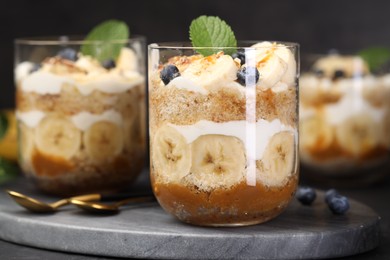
(376, 196)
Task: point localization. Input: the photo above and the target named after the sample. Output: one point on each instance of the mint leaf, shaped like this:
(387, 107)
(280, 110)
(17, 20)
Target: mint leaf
(375, 56)
(104, 33)
(8, 170)
(211, 31)
(3, 124)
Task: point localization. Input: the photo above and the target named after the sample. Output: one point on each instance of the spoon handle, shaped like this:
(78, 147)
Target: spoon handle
(120, 196)
(86, 197)
(135, 200)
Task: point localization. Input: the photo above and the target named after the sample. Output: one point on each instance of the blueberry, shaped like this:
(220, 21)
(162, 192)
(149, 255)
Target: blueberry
(247, 72)
(68, 54)
(338, 74)
(338, 204)
(168, 73)
(35, 67)
(306, 195)
(318, 72)
(108, 64)
(330, 194)
(240, 55)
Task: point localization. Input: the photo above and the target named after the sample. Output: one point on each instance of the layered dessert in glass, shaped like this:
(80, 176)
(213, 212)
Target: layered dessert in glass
(223, 131)
(81, 120)
(344, 119)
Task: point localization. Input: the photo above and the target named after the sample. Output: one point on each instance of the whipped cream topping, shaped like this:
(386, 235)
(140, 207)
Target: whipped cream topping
(279, 87)
(275, 62)
(82, 120)
(43, 83)
(352, 101)
(23, 70)
(30, 118)
(110, 83)
(86, 74)
(264, 130)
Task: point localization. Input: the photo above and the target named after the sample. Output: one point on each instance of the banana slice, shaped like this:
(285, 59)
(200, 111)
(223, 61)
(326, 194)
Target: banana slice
(26, 143)
(349, 65)
(263, 50)
(358, 134)
(277, 163)
(127, 60)
(217, 161)
(288, 57)
(182, 62)
(315, 133)
(271, 71)
(103, 141)
(60, 66)
(171, 155)
(212, 72)
(57, 136)
(374, 92)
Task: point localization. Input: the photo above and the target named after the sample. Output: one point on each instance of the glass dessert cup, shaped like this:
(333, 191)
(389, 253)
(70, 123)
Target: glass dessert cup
(223, 138)
(81, 121)
(344, 121)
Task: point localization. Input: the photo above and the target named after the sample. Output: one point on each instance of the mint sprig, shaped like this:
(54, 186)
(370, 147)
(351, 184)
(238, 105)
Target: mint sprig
(211, 31)
(3, 124)
(375, 56)
(98, 42)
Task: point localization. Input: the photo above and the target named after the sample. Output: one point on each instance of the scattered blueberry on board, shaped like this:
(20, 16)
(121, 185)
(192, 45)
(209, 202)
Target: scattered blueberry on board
(108, 64)
(329, 194)
(168, 73)
(68, 54)
(337, 203)
(250, 71)
(306, 195)
(240, 55)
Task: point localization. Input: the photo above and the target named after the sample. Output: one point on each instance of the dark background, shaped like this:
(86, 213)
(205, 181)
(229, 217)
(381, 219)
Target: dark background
(316, 25)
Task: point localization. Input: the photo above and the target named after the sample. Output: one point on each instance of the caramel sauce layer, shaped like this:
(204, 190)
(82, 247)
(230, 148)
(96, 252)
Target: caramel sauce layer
(239, 204)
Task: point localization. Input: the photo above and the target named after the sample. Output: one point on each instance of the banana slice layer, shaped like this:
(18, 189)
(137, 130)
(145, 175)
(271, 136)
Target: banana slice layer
(171, 155)
(57, 136)
(217, 161)
(277, 164)
(103, 141)
(358, 134)
(315, 133)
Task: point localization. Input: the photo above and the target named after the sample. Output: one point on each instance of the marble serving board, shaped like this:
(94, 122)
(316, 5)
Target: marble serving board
(146, 231)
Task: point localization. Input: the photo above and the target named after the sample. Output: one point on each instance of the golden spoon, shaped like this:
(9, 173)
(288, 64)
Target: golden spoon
(102, 208)
(37, 206)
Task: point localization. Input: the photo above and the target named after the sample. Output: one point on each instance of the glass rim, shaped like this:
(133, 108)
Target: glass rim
(186, 45)
(72, 40)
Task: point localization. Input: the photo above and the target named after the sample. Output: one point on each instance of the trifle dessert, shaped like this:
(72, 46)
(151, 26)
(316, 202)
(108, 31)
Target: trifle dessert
(344, 118)
(81, 120)
(223, 131)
